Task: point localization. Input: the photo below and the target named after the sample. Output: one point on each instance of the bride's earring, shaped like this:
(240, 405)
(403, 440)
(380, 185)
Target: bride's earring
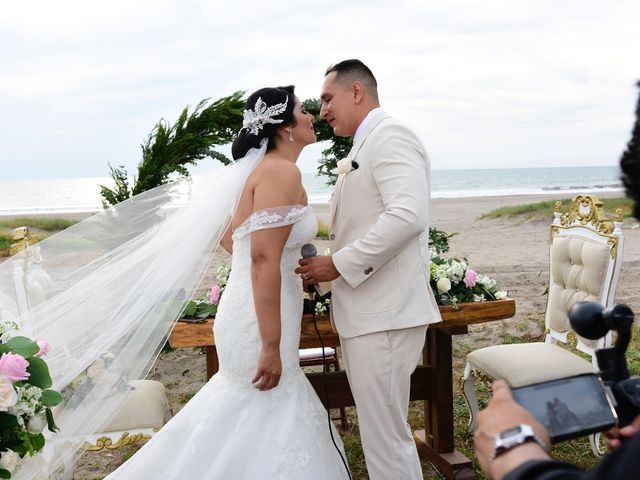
(290, 135)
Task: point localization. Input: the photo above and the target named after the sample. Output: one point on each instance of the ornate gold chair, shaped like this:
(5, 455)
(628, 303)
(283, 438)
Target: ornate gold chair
(584, 261)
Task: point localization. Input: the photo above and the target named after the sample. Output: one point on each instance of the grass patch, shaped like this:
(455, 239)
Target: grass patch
(5, 243)
(544, 209)
(323, 231)
(47, 224)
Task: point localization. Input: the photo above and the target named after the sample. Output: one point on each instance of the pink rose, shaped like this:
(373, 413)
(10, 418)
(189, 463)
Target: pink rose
(45, 347)
(470, 278)
(215, 294)
(14, 367)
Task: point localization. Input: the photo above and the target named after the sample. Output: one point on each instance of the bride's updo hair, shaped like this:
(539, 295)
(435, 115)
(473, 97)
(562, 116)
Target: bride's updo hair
(249, 138)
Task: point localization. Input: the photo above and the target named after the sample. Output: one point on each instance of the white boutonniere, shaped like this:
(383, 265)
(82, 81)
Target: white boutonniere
(346, 165)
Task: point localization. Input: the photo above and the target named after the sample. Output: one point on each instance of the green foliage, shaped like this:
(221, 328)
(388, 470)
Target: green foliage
(171, 148)
(22, 346)
(439, 240)
(323, 230)
(5, 243)
(39, 373)
(49, 224)
(544, 209)
(51, 398)
(339, 148)
(199, 310)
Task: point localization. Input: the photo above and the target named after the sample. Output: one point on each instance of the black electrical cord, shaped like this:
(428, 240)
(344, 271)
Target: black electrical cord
(326, 394)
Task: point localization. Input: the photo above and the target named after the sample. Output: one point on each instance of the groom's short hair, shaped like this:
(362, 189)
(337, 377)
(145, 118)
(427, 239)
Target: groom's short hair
(349, 71)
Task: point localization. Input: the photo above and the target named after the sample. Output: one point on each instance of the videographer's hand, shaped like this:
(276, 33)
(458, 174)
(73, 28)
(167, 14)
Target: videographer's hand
(502, 413)
(615, 436)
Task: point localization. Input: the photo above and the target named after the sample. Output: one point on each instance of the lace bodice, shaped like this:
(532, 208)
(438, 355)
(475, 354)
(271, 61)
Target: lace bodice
(237, 311)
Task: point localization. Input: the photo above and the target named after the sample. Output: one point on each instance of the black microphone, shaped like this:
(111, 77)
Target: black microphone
(308, 250)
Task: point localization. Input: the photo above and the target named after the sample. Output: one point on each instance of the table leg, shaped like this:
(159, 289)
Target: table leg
(212, 361)
(435, 442)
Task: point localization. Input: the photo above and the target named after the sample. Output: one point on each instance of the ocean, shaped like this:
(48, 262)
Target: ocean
(22, 197)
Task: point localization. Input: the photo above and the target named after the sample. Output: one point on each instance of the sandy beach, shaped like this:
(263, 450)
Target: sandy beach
(512, 250)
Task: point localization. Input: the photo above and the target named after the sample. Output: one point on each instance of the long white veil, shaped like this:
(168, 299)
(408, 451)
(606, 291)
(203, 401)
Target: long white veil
(114, 284)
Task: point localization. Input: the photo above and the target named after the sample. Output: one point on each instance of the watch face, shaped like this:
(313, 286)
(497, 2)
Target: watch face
(510, 432)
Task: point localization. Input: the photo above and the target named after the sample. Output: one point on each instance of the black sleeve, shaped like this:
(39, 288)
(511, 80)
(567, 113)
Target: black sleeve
(623, 463)
(546, 470)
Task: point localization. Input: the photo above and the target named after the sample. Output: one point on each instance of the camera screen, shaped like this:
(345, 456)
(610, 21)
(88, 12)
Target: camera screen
(568, 407)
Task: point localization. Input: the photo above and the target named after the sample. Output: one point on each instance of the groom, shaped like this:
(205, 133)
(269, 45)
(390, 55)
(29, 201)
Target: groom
(381, 300)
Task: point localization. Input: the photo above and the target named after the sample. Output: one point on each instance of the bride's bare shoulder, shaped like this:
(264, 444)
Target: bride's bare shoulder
(277, 172)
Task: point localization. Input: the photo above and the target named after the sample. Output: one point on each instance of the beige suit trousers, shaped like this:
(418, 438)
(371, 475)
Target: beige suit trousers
(379, 367)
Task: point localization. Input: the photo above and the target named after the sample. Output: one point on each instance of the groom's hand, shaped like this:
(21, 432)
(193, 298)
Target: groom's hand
(313, 270)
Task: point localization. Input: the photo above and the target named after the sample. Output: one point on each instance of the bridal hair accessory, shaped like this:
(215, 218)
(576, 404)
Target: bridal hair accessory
(257, 118)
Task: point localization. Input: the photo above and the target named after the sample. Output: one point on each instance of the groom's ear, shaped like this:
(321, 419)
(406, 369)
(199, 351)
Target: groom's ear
(357, 90)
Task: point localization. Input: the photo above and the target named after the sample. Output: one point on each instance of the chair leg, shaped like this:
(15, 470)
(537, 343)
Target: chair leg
(343, 412)
(594, 441)
(469, 389)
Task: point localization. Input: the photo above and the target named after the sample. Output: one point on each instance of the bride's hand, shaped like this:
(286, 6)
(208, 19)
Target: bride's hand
(269, 369)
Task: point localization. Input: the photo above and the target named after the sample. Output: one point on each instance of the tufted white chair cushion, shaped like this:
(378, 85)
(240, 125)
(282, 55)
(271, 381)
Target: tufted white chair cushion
(578, 267)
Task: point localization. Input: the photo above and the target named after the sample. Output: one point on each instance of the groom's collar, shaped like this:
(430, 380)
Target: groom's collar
(365, 121)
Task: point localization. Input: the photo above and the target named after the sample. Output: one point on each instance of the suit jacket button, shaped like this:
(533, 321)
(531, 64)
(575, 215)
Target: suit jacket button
(332, 237)
(368, 271)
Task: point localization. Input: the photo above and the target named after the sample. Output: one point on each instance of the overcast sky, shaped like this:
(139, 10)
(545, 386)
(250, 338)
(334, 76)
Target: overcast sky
(488, 84)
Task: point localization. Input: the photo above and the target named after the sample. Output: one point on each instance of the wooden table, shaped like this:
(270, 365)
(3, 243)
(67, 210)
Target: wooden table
(431, 382)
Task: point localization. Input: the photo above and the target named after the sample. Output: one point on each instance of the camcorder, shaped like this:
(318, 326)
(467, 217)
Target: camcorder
(582, 404)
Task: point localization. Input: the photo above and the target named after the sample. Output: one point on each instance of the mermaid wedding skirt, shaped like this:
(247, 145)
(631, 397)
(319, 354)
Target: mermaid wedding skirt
(229, 429)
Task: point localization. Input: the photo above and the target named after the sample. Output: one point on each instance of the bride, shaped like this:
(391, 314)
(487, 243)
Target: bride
(258, 417)
(115, 283)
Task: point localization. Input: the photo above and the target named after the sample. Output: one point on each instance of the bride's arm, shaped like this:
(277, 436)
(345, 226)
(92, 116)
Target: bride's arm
(279, 184)
(226, 241)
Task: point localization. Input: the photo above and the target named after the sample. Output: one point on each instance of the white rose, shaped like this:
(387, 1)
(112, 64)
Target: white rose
(444, 285)
(9, 460)
(344, 165)
(95, 371)
(500, 294)
(36, 424)
(8, 395)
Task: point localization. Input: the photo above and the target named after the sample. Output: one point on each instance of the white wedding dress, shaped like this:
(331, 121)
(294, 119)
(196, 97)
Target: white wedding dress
(231, 430)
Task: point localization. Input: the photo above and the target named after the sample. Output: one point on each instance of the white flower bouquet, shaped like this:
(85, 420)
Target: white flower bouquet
(25, 396)
(454, 282)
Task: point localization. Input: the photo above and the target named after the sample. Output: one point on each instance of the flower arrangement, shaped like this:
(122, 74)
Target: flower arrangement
(206, 305)
(25, 396)
(454, 282)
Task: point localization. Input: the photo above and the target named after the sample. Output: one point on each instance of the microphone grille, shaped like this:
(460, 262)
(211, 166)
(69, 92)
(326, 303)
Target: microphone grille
(308, 250)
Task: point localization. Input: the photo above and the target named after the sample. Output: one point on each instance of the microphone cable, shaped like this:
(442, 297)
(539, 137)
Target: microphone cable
(309, 250)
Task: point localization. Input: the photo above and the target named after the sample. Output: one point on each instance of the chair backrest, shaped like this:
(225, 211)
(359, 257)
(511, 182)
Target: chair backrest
(585, 257)
(31, 282)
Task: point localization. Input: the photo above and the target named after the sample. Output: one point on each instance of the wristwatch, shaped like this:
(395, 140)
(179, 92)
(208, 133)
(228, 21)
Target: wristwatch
(511, 438)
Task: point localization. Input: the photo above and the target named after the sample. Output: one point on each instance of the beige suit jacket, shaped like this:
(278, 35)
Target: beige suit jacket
(379, 234)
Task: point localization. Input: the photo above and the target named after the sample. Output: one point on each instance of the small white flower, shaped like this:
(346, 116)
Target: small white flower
(500, 295)
(444, 285)
(9, 460)
(96, 370)
(486, 281)
(478, 298)
(345, 165)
